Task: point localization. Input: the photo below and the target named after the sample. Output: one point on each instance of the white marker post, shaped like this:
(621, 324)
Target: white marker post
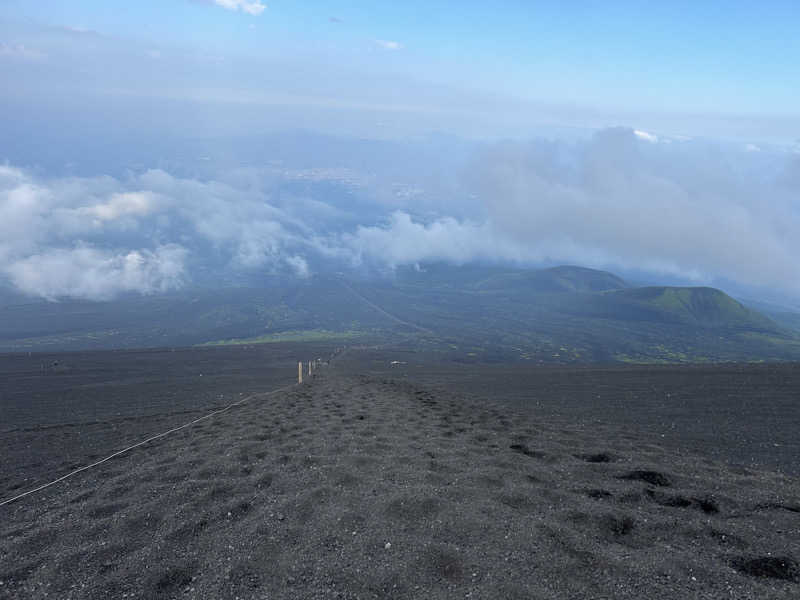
(300, 372)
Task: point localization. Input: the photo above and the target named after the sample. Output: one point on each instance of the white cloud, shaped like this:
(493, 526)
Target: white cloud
(122, 204)
(97, 237)
(86, 272)
(299, 265)
(682, 211)
(20, 51)
(643, 135)
(389, 45)
(609, 203)
(251, 7)
(402, 241)
(685, 209)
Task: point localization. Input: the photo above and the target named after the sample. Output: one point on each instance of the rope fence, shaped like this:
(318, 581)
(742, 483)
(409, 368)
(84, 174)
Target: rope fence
(311, 365)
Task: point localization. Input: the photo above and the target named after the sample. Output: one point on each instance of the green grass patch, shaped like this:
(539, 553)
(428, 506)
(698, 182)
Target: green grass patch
(306, 335)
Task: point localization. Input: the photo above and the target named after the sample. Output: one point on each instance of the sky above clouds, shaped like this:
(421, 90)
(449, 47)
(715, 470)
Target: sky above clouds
(146, 146)
(721, 68)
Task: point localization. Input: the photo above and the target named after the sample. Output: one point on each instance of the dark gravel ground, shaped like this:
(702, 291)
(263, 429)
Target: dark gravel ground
(358, 486)
(82, 387)
(61, 411)
(744, 414)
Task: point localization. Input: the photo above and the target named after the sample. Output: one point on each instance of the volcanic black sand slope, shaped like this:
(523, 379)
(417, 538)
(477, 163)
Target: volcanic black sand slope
(743, 414)
(357, 487)
(60, 411)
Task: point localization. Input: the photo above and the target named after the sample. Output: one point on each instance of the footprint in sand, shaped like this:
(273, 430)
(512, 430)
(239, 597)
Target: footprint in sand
(773, 567)
(651, 477)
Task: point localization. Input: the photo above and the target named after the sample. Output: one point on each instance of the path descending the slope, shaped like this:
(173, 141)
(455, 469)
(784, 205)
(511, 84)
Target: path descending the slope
(383, 311)
(352, 487)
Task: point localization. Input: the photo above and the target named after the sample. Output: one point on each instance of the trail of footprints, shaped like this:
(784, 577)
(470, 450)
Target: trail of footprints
(348, 454)
(770, 566)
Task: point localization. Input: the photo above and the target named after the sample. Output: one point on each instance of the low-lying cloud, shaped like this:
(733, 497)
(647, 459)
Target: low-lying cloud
(98, 237)
(618, 200)
(403, 241)
(86, 272)
(677, 209)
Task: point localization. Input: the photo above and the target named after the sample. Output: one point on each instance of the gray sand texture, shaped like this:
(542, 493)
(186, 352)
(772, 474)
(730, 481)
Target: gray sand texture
(350, 486)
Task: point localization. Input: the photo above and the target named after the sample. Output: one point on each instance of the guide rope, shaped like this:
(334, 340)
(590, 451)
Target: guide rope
(143, 442)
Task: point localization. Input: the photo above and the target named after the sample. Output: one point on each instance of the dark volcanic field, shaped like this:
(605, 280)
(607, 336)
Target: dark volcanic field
(61, 411)
(367, 482)
(747, 414)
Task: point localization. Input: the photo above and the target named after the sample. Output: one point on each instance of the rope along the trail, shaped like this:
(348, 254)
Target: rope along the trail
(143, 442)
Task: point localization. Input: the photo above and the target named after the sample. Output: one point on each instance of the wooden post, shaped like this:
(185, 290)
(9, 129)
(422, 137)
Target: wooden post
(300, 372)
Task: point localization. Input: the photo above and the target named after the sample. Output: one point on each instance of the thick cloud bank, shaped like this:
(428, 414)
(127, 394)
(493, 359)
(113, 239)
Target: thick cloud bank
(84, 272)
(98, 237)
(620, 199)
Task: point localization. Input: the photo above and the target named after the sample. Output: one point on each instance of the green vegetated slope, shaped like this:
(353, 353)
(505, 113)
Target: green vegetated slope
(473, 313)
(702, 306)
(571, 314)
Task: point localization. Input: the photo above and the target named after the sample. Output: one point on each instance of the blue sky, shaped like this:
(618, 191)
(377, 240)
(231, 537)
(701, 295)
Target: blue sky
(709, 58)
